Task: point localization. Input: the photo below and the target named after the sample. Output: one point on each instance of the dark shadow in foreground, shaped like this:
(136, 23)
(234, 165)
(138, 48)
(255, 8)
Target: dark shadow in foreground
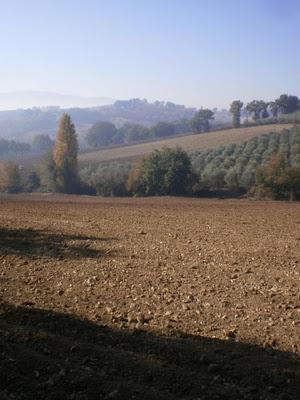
(47, 355)
(37, 243)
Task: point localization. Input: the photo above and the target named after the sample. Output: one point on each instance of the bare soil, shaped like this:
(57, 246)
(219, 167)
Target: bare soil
(159, 298)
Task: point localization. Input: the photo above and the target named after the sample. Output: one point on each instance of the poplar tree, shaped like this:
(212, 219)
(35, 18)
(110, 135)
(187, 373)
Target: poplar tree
(65, 156)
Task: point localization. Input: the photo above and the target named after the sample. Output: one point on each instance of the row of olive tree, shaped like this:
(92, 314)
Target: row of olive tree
(9, 148)
(234, 167)
(12, 149)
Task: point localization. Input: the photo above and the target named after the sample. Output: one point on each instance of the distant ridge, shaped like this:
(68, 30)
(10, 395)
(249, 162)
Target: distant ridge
(30, 99)
(23, 123)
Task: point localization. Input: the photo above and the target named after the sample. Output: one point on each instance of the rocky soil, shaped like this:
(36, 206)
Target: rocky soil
(158, 298)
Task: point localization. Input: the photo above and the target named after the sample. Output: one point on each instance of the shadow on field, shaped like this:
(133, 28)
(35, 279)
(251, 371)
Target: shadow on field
(32, 243)
(47, 355)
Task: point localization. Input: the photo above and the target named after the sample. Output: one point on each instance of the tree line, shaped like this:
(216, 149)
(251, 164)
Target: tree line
(39, 145)
(259, 109)
(10, 148)
(269, 165)
(105, 133)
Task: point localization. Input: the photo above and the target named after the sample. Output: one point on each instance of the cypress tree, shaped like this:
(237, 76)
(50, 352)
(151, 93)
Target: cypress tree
(65, 156)
(235, 109)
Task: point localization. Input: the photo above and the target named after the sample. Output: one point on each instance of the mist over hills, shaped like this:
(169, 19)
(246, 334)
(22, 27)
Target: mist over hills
(30, 99)
(23, 124)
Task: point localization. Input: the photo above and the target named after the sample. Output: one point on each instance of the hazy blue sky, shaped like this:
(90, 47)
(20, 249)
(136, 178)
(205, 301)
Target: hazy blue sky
(194, 52)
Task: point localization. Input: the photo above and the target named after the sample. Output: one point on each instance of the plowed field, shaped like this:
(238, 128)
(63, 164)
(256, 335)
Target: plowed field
(159, 298)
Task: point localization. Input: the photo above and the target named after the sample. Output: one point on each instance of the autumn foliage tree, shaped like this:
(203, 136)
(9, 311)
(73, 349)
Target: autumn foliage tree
(279, 178)
(10, 177)
(65, 156)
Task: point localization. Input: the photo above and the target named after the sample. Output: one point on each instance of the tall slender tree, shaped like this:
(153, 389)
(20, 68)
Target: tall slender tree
(264, 109)
(235, 108)
(65, 156)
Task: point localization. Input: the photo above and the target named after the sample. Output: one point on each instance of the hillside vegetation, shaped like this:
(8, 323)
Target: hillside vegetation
(267, 165)
(189, 142)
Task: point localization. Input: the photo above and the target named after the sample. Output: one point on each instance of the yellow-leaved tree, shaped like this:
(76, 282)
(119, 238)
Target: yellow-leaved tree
(65, 156)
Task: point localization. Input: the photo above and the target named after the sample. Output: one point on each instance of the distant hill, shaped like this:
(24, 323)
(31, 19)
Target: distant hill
(31, 99)
(23, 124)
(189, 142)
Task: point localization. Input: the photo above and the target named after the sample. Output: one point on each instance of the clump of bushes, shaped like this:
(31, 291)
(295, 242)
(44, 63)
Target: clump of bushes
(277, 179)
(107, 179)
(163, 172)
(10, 177)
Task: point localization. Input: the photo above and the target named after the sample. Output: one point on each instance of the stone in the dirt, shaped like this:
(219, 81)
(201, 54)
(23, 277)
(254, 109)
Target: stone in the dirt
(141, 318)
(213, 367)
(112, 395)
(231, 334)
